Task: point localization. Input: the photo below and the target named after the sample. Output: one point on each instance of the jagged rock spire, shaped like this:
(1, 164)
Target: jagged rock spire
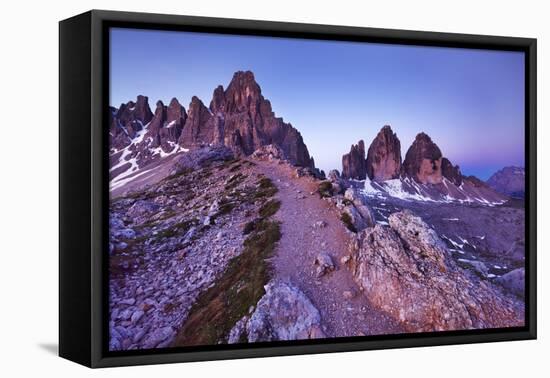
(384, 156)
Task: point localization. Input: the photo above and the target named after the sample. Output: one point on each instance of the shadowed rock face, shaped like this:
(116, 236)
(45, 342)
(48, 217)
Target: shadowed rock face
(249, 122)
(451, 172)
(423, 161)
(354, 165)
(510, 181)
(127, 120)
(384, 156)
(198, 127)
(408, 261)
(242, 119)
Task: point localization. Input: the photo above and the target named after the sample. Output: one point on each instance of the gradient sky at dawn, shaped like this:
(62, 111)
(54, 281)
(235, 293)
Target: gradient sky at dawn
(471, 102)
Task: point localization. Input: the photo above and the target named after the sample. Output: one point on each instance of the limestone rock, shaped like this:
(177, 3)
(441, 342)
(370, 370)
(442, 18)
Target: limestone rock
(354, 165)
(283, 313)
(384, 156)
(406, 271)
(324, 264)
(423, 161)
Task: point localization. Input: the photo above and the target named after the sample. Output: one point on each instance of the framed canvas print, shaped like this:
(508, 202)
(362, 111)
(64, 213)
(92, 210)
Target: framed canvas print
(233, 188)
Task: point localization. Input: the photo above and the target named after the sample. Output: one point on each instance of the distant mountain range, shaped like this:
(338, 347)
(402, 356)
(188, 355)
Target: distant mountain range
(509, 181)
(424, 175)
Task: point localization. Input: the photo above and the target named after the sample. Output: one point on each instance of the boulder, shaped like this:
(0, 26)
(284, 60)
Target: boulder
(513, 281)
(283, 313)
(269, 152)
(324, 264)
(359, 212)
(334, 175)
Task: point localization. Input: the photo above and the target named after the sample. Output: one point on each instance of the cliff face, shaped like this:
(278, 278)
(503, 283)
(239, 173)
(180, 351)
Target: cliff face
(384, 156)
(166, 126)
(423, 161)
(451, 172)
(354, 165)
(244, 121)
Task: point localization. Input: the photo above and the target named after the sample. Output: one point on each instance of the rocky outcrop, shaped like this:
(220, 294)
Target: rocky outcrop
(176, 117)
(198, 129)
(509, 181)
(324, 264)
(269, 152)
(249, 122)
(406, 271)
(166, 126)
(451, 172)
(242, 119)
(384, 156)
(127, 120)
(423, 161)
(357, 211)
(514, 281)
(283, 313)
(200, 157)
(354, 165)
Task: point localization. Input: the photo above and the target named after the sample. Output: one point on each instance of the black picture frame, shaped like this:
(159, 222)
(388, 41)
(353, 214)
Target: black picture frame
(83, 181)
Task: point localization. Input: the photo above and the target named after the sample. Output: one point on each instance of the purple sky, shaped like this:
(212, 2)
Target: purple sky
(471, 102)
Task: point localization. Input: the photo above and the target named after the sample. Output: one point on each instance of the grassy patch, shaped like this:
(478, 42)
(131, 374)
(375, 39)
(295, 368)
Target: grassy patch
(241, 286)
(183, 172)
(269, 208)
(176, 229)
(325, 189)
(234, 181)
(266, 188)
(235, 168)
(346, 219)
(250, 226)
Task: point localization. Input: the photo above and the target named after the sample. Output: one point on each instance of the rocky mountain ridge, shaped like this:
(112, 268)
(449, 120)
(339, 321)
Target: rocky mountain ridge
(238, 117)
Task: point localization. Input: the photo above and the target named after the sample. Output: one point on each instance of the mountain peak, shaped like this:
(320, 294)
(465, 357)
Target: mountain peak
(354, 163)
(423, 161)
(174, 102)
(509, 180)
(218, 100)
(384, 156)
(244, 75)
(243, 94)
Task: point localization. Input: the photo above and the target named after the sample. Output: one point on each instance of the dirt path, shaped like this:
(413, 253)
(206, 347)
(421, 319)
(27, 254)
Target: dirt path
(301, 242)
